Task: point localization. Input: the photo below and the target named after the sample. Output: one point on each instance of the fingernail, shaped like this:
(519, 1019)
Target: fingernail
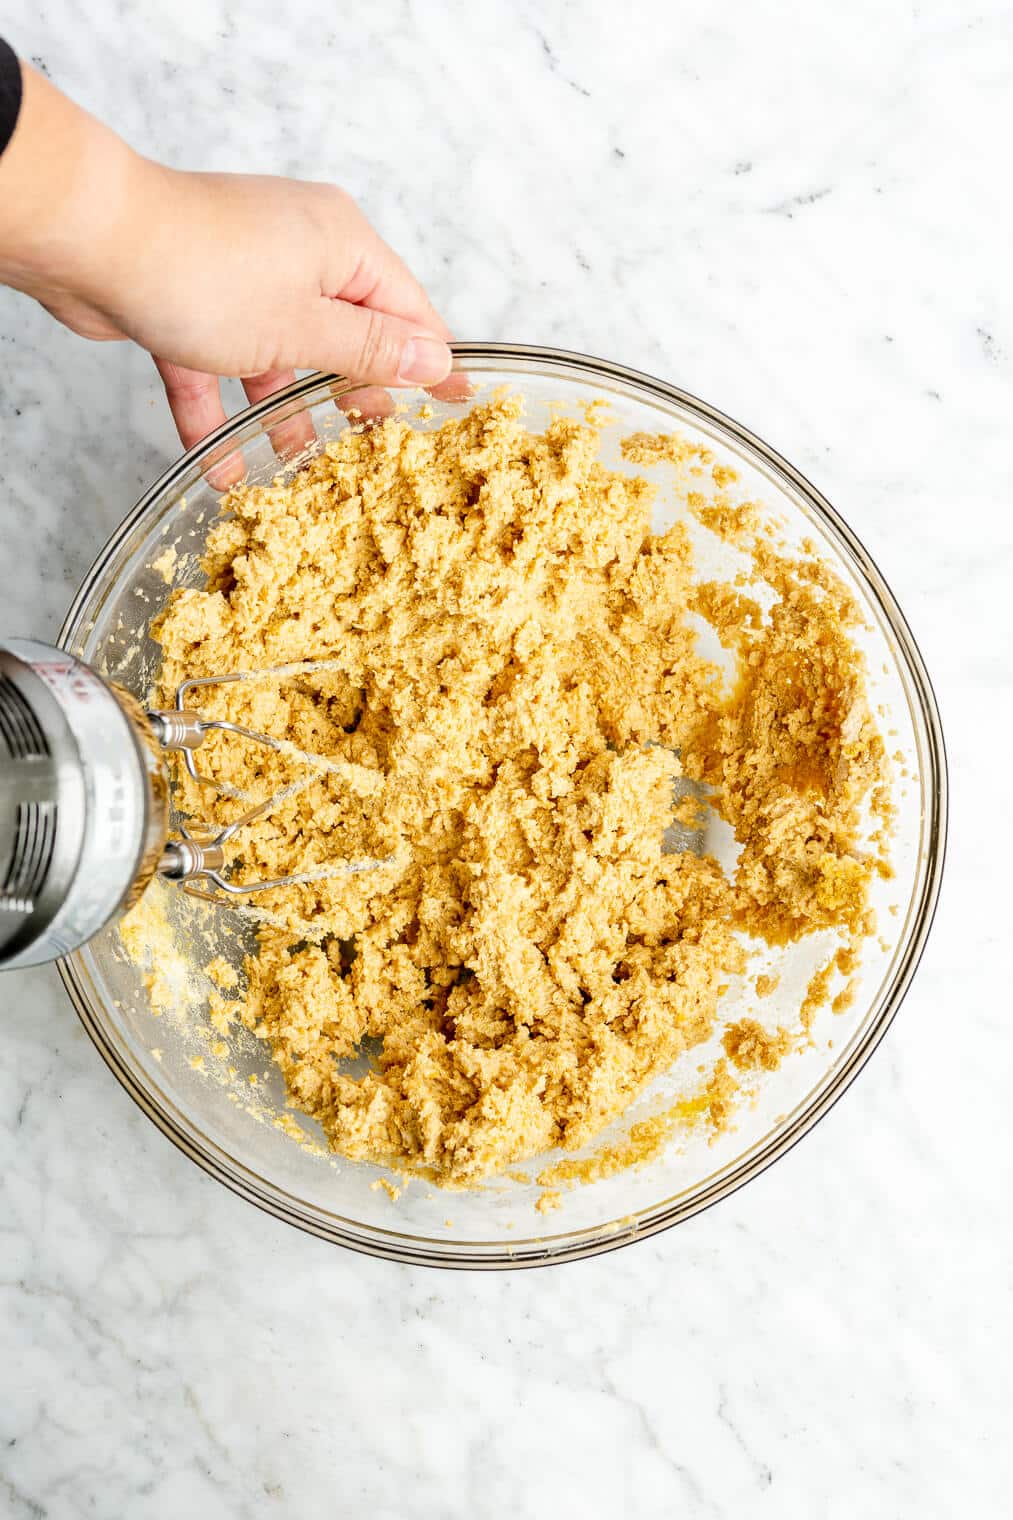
(424, 361)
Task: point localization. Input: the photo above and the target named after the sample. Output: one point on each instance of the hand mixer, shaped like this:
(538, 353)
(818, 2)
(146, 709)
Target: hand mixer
(84, 801)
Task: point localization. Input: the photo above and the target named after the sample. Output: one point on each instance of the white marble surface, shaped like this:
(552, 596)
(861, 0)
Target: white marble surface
(800, 213)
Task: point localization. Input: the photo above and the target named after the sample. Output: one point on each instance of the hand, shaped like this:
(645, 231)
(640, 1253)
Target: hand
(214, 274)
(257, 277)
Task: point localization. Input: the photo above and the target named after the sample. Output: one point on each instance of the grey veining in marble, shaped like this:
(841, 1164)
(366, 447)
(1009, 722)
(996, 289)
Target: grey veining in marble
(801, 214)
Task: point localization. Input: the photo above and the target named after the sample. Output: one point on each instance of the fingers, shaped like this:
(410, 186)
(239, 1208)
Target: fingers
(381, 283)
(295, 433)
(265, 384)
(368, 346)
(195, 401)
(380, 280)
(456, 388)
(366, 403)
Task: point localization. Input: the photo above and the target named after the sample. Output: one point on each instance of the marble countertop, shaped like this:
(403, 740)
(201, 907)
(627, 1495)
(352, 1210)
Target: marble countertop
(798, 213)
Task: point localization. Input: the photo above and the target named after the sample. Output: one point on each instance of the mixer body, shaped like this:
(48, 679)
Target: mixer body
(83, 803)
(84, 800)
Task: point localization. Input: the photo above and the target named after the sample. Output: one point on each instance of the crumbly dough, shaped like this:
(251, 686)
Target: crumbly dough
(512, 687)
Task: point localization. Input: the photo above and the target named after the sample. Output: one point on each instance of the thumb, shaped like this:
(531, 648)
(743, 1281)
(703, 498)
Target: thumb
(368, 345)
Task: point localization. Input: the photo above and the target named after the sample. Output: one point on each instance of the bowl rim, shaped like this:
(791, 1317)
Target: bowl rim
(575, 1245)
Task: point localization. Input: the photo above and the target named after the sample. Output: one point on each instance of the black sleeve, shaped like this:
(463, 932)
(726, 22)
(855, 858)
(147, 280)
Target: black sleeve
(10, 93)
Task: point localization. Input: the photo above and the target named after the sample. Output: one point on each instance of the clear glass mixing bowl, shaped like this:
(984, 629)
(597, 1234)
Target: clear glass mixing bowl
(230, 1126)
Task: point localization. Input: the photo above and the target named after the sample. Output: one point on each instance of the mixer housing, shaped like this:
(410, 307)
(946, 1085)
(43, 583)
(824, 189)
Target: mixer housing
(83, 803)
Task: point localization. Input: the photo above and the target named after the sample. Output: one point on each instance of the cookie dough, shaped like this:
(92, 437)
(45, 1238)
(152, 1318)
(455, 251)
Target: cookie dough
(512, 685)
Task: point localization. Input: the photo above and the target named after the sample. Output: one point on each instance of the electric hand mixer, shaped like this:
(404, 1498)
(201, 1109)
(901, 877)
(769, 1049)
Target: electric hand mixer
(84, 801)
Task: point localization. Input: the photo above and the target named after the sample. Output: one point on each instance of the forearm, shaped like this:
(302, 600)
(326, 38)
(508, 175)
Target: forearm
(66, 181)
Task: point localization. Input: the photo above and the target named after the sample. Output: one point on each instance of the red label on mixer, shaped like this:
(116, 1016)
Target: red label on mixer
(68, 678)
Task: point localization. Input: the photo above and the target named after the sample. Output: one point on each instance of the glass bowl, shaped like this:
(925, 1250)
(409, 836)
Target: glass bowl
(238, 1129)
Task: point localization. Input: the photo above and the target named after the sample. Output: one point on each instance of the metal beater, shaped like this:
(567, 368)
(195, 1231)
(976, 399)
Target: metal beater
(84, 800)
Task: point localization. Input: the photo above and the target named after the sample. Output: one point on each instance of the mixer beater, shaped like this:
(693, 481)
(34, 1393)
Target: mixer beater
(84, 799)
